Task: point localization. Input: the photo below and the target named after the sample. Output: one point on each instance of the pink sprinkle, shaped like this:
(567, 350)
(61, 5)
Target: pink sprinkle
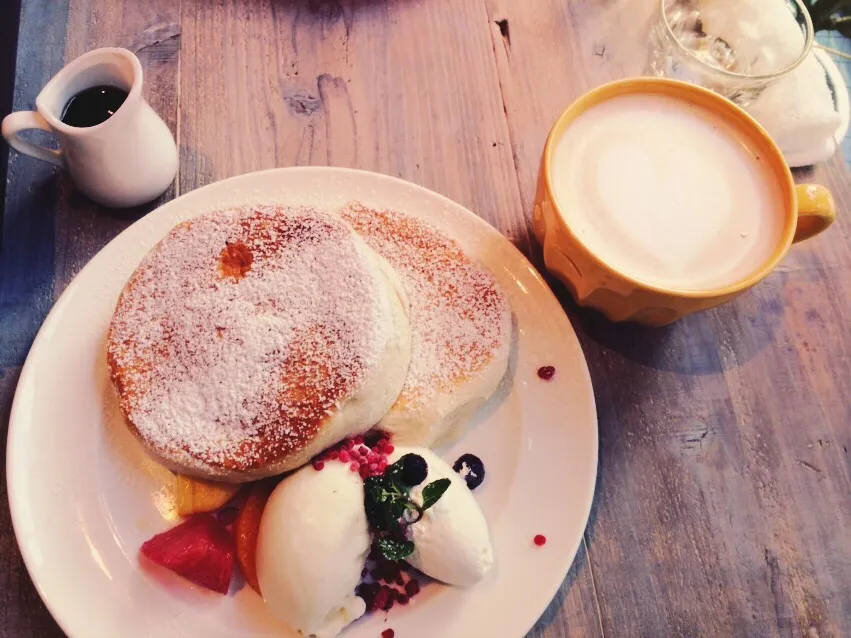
(389, 449)
(354, 467)
(540, 540)
(318, 465)
(344, 456)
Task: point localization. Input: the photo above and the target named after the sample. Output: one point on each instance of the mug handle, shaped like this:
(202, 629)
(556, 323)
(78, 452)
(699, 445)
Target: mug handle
(816, 211)
(14, 123)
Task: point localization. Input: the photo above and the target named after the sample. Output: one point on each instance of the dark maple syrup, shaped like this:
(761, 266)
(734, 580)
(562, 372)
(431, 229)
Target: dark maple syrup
(93, 106)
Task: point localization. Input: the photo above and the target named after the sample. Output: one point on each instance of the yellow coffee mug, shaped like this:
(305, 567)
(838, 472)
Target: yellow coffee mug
(807, 209)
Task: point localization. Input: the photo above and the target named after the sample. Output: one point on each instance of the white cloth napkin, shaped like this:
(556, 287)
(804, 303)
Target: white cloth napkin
(798, 110)
(799, 113)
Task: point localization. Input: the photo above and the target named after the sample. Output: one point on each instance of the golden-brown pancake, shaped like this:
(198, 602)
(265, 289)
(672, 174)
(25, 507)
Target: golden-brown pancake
(460, 326)
(248, 340)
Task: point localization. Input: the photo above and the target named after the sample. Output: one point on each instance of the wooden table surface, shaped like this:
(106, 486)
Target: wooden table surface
(723, 503)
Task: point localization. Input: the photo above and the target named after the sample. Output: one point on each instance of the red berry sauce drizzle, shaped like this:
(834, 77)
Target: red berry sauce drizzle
(546, 372)
(386, 583)
(367, 459)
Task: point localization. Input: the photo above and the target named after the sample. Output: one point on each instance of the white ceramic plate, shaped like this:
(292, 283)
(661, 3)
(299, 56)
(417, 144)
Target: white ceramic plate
(84, 496)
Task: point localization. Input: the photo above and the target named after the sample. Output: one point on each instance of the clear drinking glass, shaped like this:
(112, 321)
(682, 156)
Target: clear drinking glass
(732, 47)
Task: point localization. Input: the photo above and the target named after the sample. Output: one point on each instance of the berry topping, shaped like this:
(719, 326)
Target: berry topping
(385, 582)
(247, 528)
(540, 540)
(383, 598)
(365, 457)
(414, 469)
(412, 588)
(471, 469)
(367, 591)
(227, 515)
(546, 372)
(200, 549)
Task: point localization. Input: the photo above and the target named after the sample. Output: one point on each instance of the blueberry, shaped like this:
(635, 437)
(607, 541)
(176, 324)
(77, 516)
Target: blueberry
(471, 469)
(414, 469)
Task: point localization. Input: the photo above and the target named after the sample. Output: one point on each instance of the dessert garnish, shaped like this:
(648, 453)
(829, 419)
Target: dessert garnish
(312, 545)
(540, 540)
(388, 583)
(390, 509)
(388, 633)
(414, 470)
(546, 372)
(383, 500)
(199, 549)
(247, 527)
(194, 495)
(471, 469)
(366, 457)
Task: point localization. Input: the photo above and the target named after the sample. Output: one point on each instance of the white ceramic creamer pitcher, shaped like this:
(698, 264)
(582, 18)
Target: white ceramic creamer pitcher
(126, 160)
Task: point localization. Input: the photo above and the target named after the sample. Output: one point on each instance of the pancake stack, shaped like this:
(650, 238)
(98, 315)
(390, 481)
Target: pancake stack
(249, 340)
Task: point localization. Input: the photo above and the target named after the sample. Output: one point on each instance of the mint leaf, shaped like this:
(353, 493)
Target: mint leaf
(384, 502)
(395, 550)
(433, 491)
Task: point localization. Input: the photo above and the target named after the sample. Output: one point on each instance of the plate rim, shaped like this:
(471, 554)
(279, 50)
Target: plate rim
(12, 465)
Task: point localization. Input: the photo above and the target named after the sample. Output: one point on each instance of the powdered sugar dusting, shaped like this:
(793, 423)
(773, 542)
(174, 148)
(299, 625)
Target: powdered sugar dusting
(459, 316)
(241, 331)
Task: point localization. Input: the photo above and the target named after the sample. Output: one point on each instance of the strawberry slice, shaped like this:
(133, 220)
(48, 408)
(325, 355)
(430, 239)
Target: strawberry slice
(247, 527)
(200, 549)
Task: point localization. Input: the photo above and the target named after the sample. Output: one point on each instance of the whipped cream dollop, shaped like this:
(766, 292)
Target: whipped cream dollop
(451, 540)
(312, 546)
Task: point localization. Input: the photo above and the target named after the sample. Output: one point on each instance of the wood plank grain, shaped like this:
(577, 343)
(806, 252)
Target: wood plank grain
(10, 15)
(26, 287)
(720, 501)
(403, 88)
(26, 261)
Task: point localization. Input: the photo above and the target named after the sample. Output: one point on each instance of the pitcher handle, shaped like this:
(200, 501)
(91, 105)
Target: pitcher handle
(14, 123)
